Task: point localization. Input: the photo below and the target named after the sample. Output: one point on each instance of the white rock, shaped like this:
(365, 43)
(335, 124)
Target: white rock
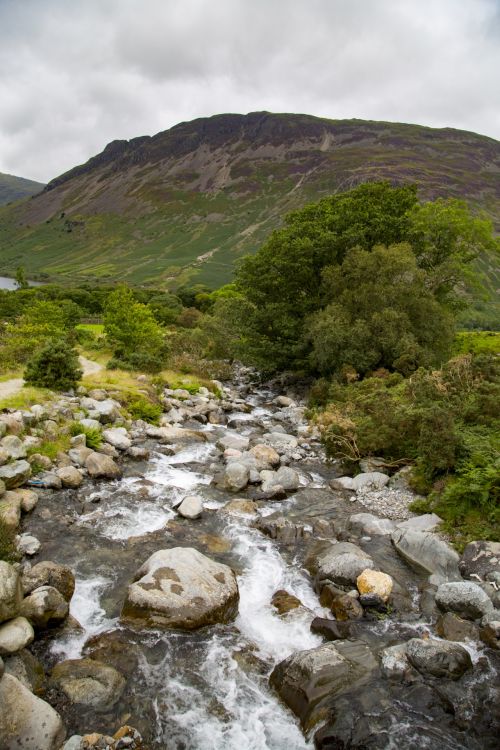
(191, 507)
(22, 716)
(15, 635)
(28, 544)
(117, 437)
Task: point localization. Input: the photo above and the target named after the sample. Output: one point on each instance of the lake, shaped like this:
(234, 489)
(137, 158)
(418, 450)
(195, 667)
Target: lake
(7, 283)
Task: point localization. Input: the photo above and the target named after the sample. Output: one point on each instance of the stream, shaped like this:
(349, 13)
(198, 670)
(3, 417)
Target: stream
(208, 689)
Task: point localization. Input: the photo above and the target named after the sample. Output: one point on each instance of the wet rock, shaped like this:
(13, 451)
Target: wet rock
(375, 583)
(481, 559)
(15, 474)
(26, 721)
(15, 635)
(28, 544)
(181, 588)
(426, 522)
(345, 607)
(80, 454)
(490, 633)
(453, 628)
(395, 664)
(309, 681)
(282, 529)
(70, 476)
(49, 480)
(265, 457)
(285, 602)
(13, 446)
(177, 435)
(100, 466)
(334, 630)
(191, 507)
(370, 525)
(29, 500)
(288, 478)
(115, 649)
(48, 573)
(45, 607)
(280, 441)
(465, 598)
(236, 476)
(233, 441)
(427, 552)
(241, 507)
(90, 683)
(117, 437)
(11, 594)
(342, 563)
(438, 658)
(27, 669)
(138, 453)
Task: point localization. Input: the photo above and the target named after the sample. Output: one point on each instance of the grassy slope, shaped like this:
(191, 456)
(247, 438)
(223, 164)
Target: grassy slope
(147, 214)
(13, 188)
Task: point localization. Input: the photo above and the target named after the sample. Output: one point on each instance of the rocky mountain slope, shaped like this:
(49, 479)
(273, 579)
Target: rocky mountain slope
(13, 188)
(185, 204)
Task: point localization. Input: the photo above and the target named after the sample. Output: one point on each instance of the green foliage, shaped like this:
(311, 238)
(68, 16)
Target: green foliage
(51, 448)
(55, 366)
(41, 322)
(21, 280)
(8, 551)
(138, 340)
(140, 408)
(93, 436)
(477, 342)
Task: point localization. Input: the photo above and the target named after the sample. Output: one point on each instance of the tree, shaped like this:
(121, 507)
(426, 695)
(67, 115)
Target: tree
(132, 330)
(55, 366)
(29, 332)
(21, 280)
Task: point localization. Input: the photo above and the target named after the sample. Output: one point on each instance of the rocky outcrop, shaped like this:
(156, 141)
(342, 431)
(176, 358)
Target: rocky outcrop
(181, 588)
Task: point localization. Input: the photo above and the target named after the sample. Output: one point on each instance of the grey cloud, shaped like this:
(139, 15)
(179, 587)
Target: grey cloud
(76, 75)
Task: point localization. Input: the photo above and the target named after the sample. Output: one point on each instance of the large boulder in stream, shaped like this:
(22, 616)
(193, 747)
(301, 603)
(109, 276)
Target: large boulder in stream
(427, 552)
(48, 573)
(181, 588)
(100, 466)
(89, 683)
(27, 722)
(15, 474)
(340, 562)
(481, 559)
(438, 658)
(465, 598)
(309, 681)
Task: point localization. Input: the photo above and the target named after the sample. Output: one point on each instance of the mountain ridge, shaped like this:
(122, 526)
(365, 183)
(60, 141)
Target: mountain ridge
(183, 205)
(13, 188)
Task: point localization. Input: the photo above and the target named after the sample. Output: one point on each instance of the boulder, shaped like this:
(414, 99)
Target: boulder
(70, 477)
(236, 476)
(173, 434)
(28, 544)
(181, 588)
(309, 681)
(342, 563)
(45, 607)
(4, 456)
(465, 598)
(26, 721)
(280, 441)
(345, 607)
(49, 573)
(284, 602)
(29, 499)
(100, 466)
(282, 529)
(375, 583)
(48, 480)
(233, 441)
(265, 457)
(15, 635)
(13, 446)
(105, 411)
(284, 401)
(490, 633)
(27, 669)
(287, 478)
(10, 511)
(370, 525)
(114, 648)
(43, 462)
(11, 594)
(395, 664)
(427, 552)
(80, 454)
(481, 559)
(425, 522)
(241, 507)
(342, 483)
(438, 658)
(90, 683)
(453, 628)
(15, 474)
(370, 480)
(191, 507)
(118, 438)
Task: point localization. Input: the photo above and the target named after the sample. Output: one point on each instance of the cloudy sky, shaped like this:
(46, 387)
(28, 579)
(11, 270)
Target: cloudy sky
(76, 74)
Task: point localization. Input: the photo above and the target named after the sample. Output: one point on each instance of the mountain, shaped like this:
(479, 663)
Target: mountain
(12, 188)
(185, 204)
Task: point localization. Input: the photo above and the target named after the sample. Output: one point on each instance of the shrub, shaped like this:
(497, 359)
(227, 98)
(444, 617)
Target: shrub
(56, 366)
(93, 437)
(141, 408)
(8, 551)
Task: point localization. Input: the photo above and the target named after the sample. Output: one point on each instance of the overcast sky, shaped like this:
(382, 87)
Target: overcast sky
(76, 74)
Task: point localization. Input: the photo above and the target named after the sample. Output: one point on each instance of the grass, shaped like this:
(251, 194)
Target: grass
(51, 448)
(27, 397)
(477, 342)
(96, 328)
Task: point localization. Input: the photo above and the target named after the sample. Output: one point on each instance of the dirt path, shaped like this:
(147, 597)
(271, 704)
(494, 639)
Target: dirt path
(9, 388)
(89, 367)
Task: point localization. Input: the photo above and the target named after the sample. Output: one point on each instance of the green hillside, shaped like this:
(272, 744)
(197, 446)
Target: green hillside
(13, 188)
(186, 204)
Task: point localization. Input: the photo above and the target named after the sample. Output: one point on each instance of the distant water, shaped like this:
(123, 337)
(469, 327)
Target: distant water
(6, 283)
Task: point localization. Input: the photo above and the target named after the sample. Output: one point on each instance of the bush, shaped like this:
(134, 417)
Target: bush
(141, 408)
(93, 437)
(8, 551)
(56, 366)
(137, 361)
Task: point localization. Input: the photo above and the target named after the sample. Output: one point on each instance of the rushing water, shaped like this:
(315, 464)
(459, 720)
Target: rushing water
(208, 689)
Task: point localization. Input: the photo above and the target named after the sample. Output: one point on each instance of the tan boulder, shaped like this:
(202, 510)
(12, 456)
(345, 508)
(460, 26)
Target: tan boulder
(375, 583)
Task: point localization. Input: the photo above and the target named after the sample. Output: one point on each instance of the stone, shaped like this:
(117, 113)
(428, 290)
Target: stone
(370, 480)
(11, 594)
(288, 478)
(114, 648)
(100, 466)
(26, 721)
(241, 507)
(27, 669)
(13, 446)
(375, 583)
(191, 507)
(109, 450)
(15, 474)
(438, 658)
(342, 563)
(453, 628)
(265, 457)
(15, 635)
(74, 743)
(369, 525)
(90, 683)
(280, 441)
(79, 441)
(234, 441)
(395, 664)
(481, 558)
(45, 607)
(90, 424)
(490, 633)
(10, 511)
(48, 573)
(105, 411)
(43, 462)
(309, 681)
(79, 455)
(236, 476)
(282, 529)
(342, 483)
(175, 435)
(98, 394)
(426, 551)
(465, 598)
(372, 463)
(29, 499)
(284, 401)
(28, 544)
(285, 602)
(117, 437)
(4, 456)
(11, 423)
(70, 476)
(49, 480)
(181, 588)
(425, 522)
(345, 607)
(138, 453)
